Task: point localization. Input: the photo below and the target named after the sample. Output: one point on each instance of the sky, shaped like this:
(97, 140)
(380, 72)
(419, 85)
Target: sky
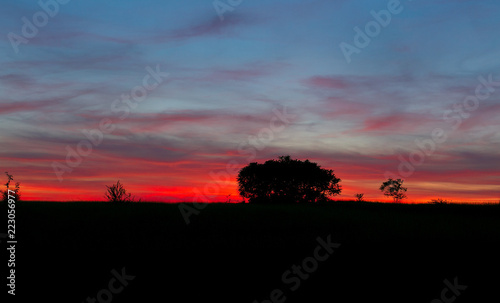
(172, 98)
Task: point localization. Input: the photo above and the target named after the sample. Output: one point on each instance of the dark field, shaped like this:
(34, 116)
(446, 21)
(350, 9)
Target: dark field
(239, 252)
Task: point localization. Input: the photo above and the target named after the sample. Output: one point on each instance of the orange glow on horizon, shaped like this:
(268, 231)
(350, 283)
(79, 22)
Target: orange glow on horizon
(190, 194)
(203, 180)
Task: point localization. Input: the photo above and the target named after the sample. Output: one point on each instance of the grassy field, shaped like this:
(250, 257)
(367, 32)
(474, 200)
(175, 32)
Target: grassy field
(240, 252)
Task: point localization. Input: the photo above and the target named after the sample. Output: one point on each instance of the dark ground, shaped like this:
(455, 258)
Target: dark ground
(239, 252)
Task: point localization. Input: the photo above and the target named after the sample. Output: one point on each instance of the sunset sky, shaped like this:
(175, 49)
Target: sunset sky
(207, 80)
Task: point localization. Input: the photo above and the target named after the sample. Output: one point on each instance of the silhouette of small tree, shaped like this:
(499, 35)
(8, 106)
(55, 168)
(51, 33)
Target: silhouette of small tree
(15, 192)
(394, 189)
(117, 193)
(359, 197)
(287, 181)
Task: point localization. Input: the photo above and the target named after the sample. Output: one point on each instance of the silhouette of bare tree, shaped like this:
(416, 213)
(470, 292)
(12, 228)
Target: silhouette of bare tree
(118, 193)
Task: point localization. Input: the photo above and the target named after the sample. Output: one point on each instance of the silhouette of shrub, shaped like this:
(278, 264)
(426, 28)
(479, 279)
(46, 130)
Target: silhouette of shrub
(359, 197)
(439, 201)
(287, 181)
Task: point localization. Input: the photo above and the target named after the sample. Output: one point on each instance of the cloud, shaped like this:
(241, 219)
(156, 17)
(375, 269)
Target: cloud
(327, 82)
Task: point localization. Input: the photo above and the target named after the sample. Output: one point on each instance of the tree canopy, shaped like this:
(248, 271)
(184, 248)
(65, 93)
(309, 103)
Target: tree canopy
(287, 181)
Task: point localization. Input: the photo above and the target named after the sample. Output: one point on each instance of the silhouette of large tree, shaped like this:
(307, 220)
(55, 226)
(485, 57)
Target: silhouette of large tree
(287, 181)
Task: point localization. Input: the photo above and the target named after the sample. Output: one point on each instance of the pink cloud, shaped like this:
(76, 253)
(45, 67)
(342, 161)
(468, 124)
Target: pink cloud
(327, 82)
